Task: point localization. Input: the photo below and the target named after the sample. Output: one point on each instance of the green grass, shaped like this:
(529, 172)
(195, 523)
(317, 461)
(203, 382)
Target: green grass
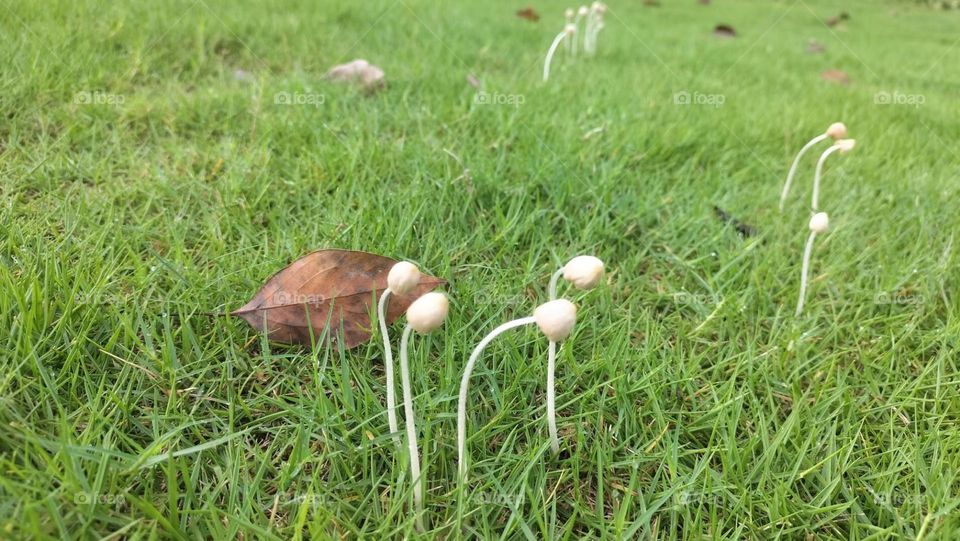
(692, 403)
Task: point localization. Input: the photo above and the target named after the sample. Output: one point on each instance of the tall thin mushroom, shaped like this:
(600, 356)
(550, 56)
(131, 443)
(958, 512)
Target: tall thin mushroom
(424, 315)
(582, 11)
(836, 131)
(555, 319)
(584, 272)
(402, 279)
(819, 223)
(594, 26)
(568, 32)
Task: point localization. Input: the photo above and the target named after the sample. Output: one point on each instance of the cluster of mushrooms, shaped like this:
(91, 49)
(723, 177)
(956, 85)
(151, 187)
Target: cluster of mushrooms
(555, 319)
(819, 222)
(592, 18)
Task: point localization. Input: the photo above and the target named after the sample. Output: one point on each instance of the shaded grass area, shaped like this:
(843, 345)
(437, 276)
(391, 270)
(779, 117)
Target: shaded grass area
(147, 183)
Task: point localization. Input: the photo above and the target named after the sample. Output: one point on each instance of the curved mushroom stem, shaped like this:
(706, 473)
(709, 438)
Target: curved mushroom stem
(793, 167)
(804, 271)
(552, 398)
(816, 176)
(388, 363)
(553, 49)
(576, 24)
(552, 289)
(465, 384)
(411, 428)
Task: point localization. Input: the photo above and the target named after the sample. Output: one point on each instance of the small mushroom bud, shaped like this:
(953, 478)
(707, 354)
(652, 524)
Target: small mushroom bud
(837, 131)
(583, 271)
(819, 222)
(846, 145)
(556, 318)
(403, 278)
(428, 312)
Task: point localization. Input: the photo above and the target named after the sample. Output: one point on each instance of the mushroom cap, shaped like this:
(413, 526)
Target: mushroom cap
(556, 318)
(837, 130)
(819, 222)
(403, 277)
(570, 29)
(583, 271)
(351, 70)
(846, 145)
(569, 13)
(583, 11)
(428, 312)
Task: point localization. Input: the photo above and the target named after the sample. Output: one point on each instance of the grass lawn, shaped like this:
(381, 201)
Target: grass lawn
(153, 176)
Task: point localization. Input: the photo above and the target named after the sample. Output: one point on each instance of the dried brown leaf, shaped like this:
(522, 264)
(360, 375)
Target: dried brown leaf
(835, 76)
(724, 31)
(529, 14)
(815, 47)
(332, 291)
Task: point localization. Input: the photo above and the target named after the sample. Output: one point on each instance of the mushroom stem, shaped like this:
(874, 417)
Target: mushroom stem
(804, 271)
(388, 363)
(576, 24)
(552, 289)
(465, 384)
(818, 173)
(411, 428)
(587, 28)
(551, 371)
(793, 167)
(552, 398)
(597, 27)
(553, 49)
